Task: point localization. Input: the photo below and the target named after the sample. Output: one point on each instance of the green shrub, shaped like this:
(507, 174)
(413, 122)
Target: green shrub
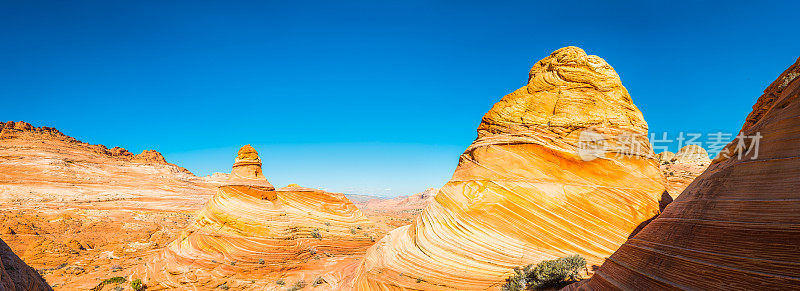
(280, 282)
(315, 233)
(137, 285)
(546, 274)
(114, 280)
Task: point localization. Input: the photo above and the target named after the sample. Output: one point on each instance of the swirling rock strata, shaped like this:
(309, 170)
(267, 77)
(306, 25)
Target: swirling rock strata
(523, 193)
(249, 229)
(737, 226)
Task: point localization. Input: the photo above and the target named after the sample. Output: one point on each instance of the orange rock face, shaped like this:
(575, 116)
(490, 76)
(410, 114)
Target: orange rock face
(16, 275)
(250, 235)
(682, 168)
(735, 227)
(525, 191)
(395, 212)
(82, 213)
(41, 164)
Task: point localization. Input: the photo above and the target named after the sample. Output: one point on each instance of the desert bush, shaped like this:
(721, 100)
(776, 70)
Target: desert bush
(280, 282)
(546, 274)
(315, 233)
(297, 285)
(137, 285)
(114, 280)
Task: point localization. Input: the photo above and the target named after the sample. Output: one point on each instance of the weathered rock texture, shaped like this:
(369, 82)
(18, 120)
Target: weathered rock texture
(521, 192)
(41, 164)
(80, 213)
(692, 154)
(16, 275)
(250, 230)
(394, 212)
(736, 226)
(681, 169)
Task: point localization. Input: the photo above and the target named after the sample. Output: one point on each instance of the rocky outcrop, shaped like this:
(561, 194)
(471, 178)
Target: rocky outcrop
(736, 226)
(42, 164)
(249, 229)
(692, 154)
(547, 177)
(391, 213)
(666, 157)
(21, 130)
(682, 168)
(16, 275)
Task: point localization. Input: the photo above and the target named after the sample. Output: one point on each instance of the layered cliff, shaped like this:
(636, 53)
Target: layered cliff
(551, 174)
(736, 226)
(249, 229)
(41, 164)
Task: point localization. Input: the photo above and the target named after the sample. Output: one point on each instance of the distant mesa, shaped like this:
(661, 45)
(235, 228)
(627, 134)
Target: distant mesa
(522, 193)
(248, 229)
(736, 226)
(44, 164)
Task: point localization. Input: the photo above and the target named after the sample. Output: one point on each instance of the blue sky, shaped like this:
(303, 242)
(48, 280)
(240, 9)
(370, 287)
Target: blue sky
(363, 97)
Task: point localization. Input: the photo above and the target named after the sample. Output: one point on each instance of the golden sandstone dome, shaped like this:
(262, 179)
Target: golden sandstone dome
(736, 226)
(248, 230)
(524, 192)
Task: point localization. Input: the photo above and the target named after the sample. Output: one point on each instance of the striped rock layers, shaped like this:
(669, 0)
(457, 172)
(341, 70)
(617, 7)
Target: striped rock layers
(737, 226)
(524, 191)
(251, 230)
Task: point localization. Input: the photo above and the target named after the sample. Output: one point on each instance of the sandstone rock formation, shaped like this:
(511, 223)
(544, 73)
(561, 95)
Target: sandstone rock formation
(736, 226)
(250, 230)
(395, 212)
(526, 190)
(82, 213)
(666, 157)
(692, 154)
(681, 169)
(42, 164)
(16, 275)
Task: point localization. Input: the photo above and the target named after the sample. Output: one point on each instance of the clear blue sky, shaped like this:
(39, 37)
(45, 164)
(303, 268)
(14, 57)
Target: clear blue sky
(363, 97)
